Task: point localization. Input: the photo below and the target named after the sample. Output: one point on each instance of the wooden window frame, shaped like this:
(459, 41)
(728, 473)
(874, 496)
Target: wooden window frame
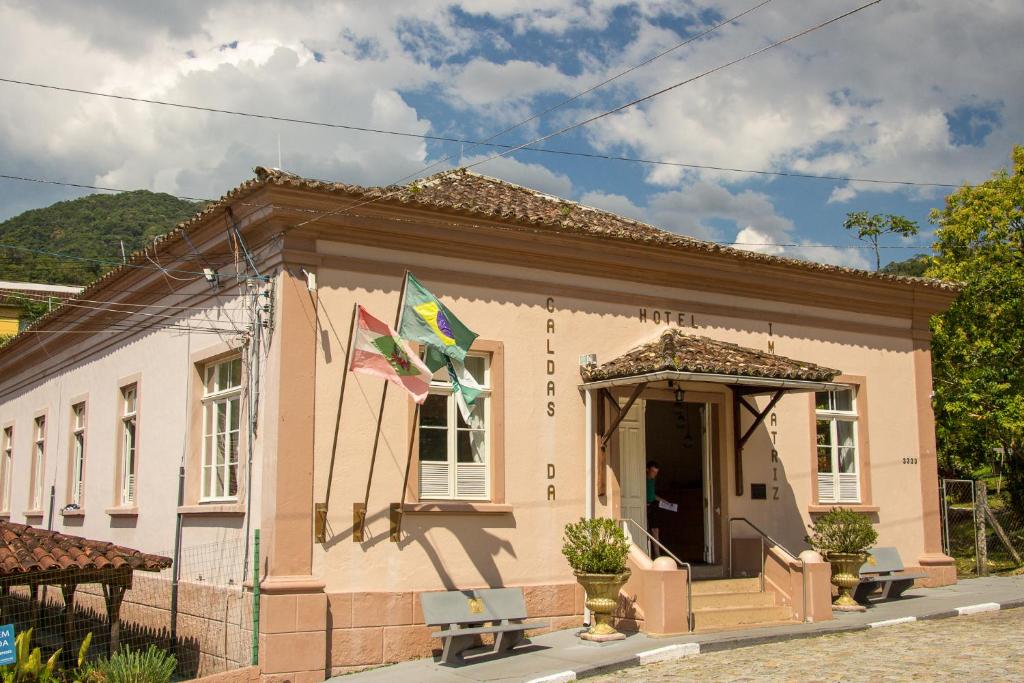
(193, 503)
(6, 468)
(496, 446)
(37, 465)
(74, 431)
(859, 385)
(208, 400)
(120, 506)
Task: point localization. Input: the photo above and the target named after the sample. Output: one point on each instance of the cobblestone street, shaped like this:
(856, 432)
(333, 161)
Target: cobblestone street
(982, 647)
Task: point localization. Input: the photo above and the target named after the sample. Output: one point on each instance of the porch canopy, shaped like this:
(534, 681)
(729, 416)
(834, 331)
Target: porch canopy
(35, 557)
(679, 357)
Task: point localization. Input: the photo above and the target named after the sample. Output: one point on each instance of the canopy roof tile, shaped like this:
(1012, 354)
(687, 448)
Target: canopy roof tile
(30, 550)
(677, 351)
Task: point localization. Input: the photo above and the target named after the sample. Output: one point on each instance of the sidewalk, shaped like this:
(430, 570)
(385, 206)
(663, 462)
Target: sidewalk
(561, 656)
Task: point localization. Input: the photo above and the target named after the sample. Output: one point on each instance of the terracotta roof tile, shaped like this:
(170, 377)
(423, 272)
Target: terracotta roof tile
(479, 195)
(675, 350)
(26, 550)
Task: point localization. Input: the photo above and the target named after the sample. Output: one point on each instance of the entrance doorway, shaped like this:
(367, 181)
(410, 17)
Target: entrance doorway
(676, 436)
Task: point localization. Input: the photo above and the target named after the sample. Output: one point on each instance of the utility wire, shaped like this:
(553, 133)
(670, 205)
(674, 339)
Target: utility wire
(609, 112)
(662, 91)
(594, 87)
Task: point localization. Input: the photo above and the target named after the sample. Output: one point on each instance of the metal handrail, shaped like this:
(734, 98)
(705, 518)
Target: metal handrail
(689, 569)
(763, 536)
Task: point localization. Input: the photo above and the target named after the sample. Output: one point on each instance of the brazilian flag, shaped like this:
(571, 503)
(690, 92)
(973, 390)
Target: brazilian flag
(427, 321)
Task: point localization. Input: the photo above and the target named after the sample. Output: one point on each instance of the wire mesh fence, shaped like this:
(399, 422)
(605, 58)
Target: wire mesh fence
(982, 530)
(205, 622)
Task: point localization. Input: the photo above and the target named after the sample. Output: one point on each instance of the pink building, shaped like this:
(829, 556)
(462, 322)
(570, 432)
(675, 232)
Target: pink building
(767, 389)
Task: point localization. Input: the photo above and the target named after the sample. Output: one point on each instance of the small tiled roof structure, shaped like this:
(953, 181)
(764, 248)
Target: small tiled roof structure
(30, 550)
(32, 557)
(676, 351)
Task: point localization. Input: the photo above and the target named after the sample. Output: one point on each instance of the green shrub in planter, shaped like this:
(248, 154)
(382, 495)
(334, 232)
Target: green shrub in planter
(595, 546)
(842, 531)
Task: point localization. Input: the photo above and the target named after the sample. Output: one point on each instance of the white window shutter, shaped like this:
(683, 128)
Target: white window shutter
(434, 480)
(826, 487)
(849, 487)
(471, 480)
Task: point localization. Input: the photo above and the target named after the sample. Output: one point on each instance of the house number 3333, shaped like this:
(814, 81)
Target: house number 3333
(909, 461)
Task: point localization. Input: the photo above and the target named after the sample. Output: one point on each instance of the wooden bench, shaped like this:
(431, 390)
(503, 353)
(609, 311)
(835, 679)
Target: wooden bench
(884, 569)
(464, 615)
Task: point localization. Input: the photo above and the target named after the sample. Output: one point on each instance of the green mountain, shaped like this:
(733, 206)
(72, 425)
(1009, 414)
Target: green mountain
(87, 232)
(915, 265)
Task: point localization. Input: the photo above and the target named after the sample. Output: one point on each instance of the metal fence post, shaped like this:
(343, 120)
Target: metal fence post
(980, 540)
(256, 598)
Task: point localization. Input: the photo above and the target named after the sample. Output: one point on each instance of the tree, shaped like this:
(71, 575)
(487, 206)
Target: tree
(915, 266)
(978, 344)
(870, 227)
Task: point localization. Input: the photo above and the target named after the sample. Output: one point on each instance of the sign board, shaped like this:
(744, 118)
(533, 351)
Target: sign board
(7, 655)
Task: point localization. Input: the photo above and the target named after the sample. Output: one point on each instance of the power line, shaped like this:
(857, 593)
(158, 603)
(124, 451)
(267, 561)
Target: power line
(591, 119)
(594, 87)
(662, 91)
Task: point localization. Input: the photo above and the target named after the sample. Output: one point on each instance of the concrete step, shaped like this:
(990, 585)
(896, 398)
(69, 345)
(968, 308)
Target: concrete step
(712, 586)
(708, 571)
(719, 600)
(732, 617)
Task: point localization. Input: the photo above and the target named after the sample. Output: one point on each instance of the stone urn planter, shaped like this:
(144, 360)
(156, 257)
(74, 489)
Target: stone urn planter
(596, 550)
(843, 537)
(602, 600)
(845, 577)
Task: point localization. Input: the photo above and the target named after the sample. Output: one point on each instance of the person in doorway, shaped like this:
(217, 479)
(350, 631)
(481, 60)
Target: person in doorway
(653, 509)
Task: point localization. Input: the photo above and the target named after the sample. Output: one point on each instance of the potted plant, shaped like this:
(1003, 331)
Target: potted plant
(843, 537)
(596, 550)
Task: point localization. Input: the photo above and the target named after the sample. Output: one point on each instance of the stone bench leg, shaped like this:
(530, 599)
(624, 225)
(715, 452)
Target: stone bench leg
(863, 590)
(506, 640)
(453, 646)
(894, 589)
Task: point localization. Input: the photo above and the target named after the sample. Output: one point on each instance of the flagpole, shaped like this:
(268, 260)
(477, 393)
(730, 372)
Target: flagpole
(321, 508)
(359, 511)
(397, 530)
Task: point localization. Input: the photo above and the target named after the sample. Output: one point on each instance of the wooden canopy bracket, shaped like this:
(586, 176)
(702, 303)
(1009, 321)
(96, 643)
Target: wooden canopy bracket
(620, 413)
(739, 400)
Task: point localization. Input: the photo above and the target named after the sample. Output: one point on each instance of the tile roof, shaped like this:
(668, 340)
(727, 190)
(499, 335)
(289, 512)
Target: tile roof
(475, 194)
(30, 550)
(674, 350)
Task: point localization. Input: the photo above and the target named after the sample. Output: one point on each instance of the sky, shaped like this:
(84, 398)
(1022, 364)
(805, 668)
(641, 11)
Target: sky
(913, 90)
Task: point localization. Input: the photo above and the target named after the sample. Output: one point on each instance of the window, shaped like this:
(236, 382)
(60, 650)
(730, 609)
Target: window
(222, 401)
(77, 453)
(38, 451)
(129, 442)
(6, 463)
(838, 470)
(454, 460)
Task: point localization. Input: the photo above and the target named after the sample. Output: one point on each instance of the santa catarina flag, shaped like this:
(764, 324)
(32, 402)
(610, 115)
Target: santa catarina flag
(378, 350)
(429, 322)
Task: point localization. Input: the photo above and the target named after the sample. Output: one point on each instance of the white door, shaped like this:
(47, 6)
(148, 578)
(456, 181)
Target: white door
(708, 475)
(632, 471)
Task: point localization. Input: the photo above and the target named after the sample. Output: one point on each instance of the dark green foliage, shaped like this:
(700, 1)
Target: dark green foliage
(151, 665)
(978, 344)
(595, 546)
(842, 531)
(915, 266)
(90, 227)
